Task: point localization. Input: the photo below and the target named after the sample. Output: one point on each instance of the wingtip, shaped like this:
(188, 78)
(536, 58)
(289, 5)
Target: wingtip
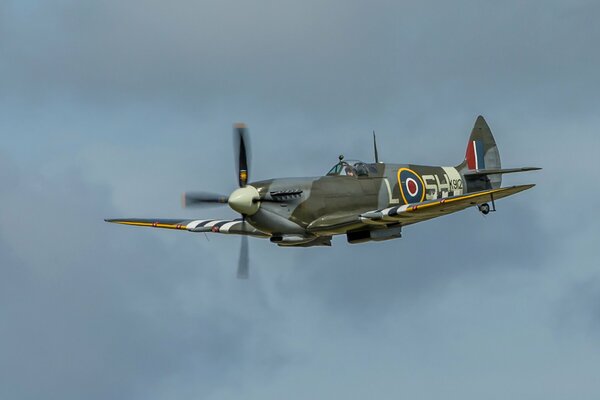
(526, 186)
(113, 220)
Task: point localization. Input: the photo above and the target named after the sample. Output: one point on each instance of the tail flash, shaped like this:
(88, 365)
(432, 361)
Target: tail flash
(475, 155)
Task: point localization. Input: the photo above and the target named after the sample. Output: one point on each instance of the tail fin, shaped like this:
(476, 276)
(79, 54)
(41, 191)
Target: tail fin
(481, 168)
(482, 153)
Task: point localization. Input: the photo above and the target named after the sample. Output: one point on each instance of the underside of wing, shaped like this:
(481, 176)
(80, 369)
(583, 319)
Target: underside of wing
(339, 223)
(335, 223)
(412, 213)
(233, 227)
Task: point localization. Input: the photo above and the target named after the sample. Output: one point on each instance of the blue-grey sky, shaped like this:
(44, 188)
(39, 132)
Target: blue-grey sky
(112, 108)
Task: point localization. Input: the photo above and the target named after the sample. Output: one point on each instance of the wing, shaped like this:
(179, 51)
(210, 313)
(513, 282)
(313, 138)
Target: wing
(234, 227)
(409, 213)
(412, 213)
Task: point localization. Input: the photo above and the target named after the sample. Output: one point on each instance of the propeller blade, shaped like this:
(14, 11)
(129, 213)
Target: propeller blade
(241, 135)
(243, 267)
(196, 199)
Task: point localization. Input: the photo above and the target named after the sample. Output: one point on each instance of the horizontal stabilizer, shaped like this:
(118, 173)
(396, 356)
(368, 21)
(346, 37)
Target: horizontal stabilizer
(482, 172)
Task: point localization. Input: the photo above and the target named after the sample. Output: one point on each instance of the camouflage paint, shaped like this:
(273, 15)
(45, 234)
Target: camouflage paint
(366, 203)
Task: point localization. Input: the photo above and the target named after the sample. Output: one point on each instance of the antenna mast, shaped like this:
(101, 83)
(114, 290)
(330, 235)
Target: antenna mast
(375, 147)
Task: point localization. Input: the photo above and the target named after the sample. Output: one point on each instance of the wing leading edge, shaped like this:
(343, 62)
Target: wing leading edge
(405, 214)
(412, 213)
(408, 214)
(232, 227)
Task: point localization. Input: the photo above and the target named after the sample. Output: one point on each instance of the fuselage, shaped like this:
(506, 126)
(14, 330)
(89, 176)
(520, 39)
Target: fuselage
(376, 186)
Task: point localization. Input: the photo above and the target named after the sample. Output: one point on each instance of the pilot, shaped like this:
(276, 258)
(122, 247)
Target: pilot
(349, 171)
(361, 169)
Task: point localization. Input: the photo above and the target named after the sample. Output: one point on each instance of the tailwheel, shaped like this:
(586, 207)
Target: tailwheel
(484, 208)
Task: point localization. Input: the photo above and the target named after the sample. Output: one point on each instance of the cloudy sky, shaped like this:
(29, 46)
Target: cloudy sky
(112, 108)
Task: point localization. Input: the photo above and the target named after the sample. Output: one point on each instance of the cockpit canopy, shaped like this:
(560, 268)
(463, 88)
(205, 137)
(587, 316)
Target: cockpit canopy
(351, 168)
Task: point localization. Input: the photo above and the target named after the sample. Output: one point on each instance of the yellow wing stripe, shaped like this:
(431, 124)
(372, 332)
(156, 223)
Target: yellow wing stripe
(444, 201)
(455, 199)
(153, 225)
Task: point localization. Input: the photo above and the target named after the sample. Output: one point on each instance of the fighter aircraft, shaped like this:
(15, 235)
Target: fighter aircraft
(364, 201)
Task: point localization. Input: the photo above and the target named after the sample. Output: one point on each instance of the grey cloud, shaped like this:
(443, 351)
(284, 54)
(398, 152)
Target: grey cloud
(579, 308)
(329, 59)
(364, 283)
(88, 314)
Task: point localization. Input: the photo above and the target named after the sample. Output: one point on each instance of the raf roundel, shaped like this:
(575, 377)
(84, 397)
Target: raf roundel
(411, 185)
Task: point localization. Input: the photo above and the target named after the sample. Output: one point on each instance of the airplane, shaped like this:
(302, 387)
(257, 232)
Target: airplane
(364, 201)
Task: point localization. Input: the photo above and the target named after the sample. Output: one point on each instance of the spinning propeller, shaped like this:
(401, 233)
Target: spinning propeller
(244, 200)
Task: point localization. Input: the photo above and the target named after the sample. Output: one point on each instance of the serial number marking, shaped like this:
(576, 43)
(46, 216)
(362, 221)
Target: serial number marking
(456, 184)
